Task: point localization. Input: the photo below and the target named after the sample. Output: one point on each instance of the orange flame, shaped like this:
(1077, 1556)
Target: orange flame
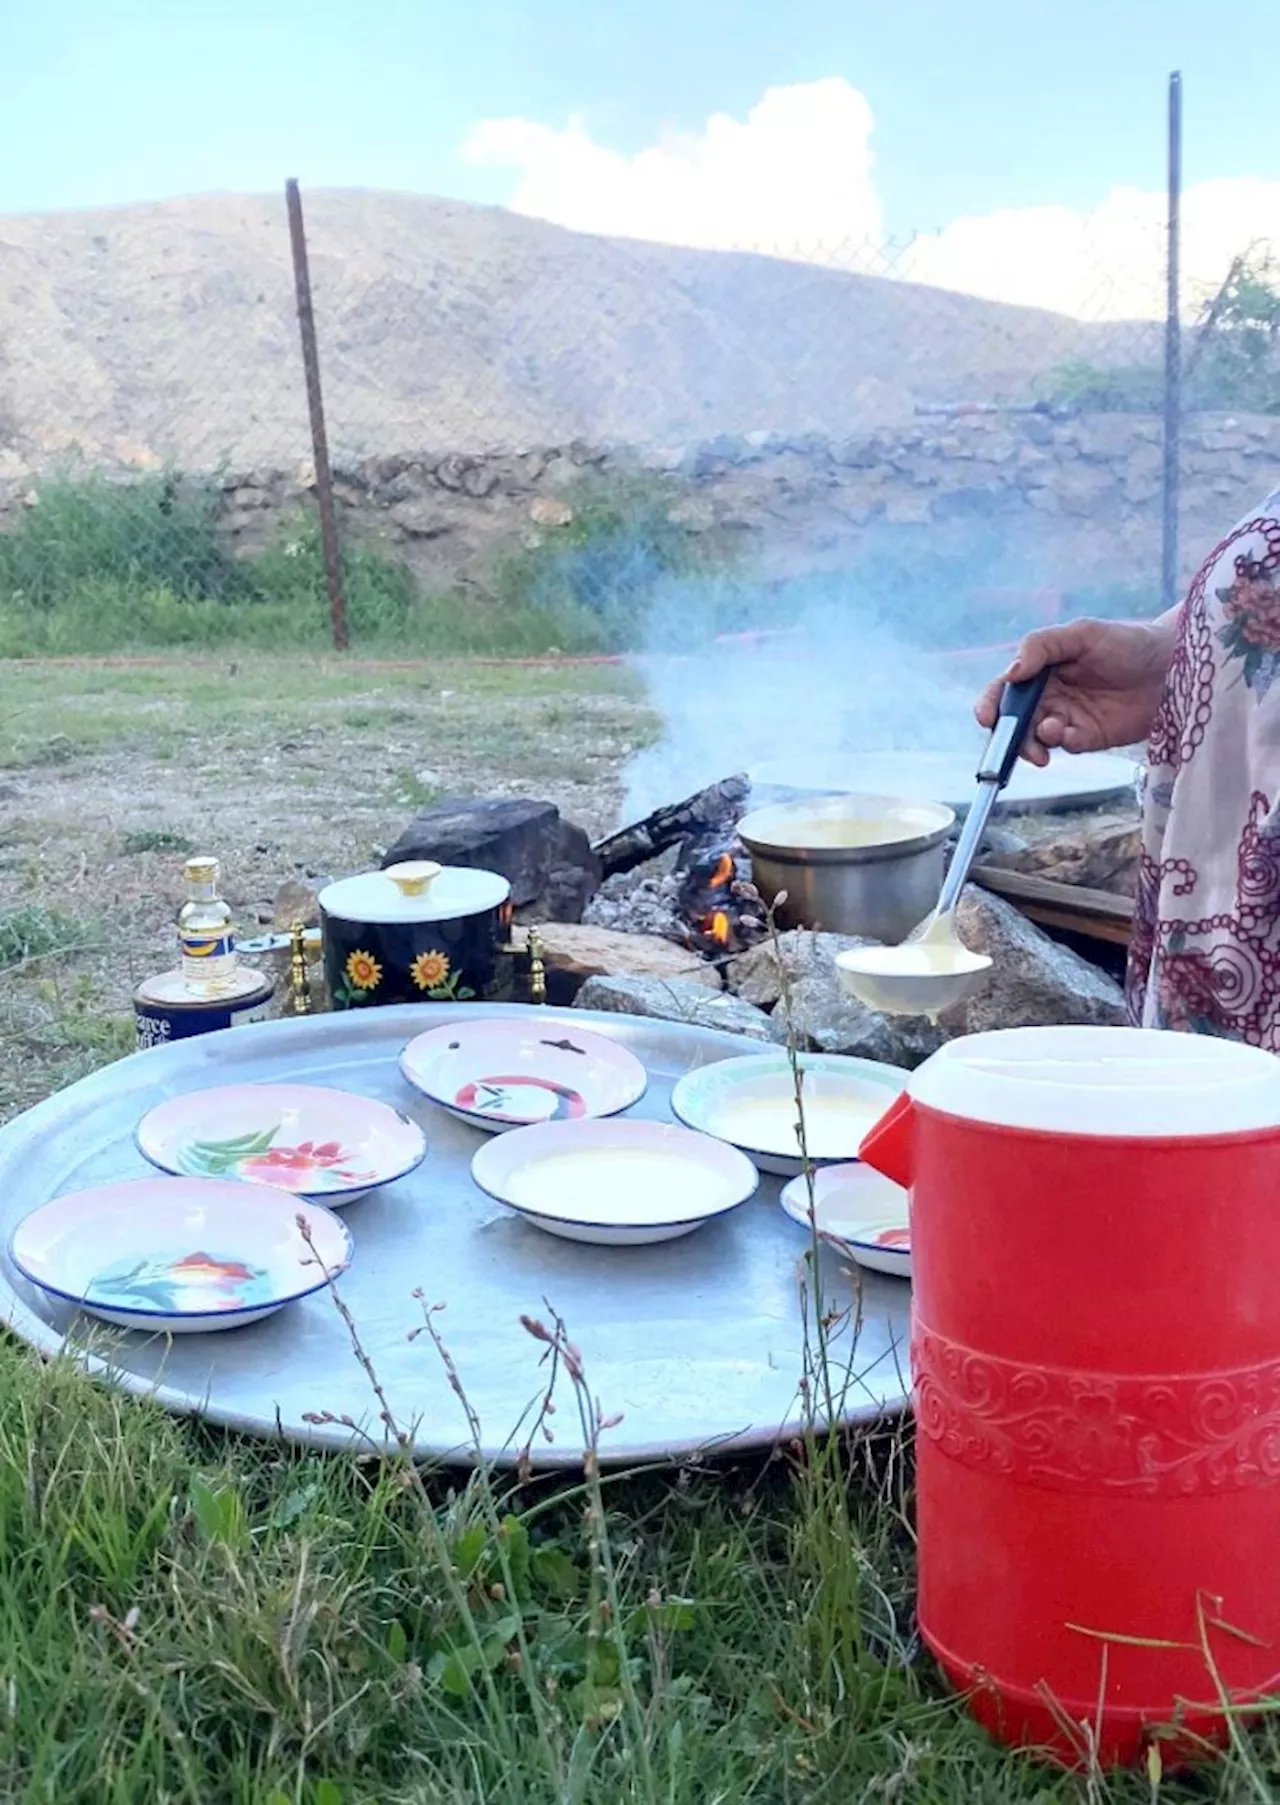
(718, 927)
(723, 872)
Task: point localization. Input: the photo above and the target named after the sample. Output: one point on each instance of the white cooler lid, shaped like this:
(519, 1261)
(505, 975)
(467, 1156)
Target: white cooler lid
(1135, 1082)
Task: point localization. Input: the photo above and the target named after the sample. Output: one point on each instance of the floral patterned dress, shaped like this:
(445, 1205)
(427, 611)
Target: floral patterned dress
(1205, 955)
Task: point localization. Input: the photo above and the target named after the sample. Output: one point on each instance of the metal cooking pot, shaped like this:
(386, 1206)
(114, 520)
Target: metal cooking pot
(868, 865)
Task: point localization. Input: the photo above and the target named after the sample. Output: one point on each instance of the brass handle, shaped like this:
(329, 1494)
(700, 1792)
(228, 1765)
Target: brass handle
(299, 976)
(415, 877)
(537, 966)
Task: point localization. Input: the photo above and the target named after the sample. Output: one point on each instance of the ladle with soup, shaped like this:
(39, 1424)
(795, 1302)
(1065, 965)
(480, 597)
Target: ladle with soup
(933, 969)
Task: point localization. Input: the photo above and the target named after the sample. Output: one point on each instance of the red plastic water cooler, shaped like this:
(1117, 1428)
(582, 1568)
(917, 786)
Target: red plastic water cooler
(1095, 1223)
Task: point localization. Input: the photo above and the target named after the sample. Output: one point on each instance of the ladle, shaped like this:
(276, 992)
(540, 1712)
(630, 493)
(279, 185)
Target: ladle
(933, 968)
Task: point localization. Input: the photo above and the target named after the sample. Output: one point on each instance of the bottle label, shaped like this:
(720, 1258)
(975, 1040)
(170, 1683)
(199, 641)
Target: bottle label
(207, 946)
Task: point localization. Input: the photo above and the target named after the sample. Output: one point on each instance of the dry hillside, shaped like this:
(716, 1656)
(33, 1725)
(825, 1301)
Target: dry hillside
(167, 332)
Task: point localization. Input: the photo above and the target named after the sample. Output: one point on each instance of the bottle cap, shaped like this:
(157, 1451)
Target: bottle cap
(202, 871)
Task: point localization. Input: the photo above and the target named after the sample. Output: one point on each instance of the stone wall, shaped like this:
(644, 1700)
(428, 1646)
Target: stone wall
(1077, 500)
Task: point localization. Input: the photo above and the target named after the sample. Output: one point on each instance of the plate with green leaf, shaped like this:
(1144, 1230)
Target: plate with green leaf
(317, 1143)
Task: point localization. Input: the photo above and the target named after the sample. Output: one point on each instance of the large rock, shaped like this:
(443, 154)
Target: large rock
(822, 1018)
(1033, 979)
(547, 861)
(573, 953)
(758, 975)
(678, 1000)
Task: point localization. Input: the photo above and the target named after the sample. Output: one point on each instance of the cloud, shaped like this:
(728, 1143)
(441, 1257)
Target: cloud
(795, 178)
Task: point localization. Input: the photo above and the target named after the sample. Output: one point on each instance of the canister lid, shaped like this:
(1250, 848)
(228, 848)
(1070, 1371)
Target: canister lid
(416, 891)
(1141, 1083)
(168, 989)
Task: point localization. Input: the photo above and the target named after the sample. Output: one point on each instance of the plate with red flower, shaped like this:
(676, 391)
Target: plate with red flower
(508, 1072)
(328, 1145)
(180, 1255)
(858, 1211)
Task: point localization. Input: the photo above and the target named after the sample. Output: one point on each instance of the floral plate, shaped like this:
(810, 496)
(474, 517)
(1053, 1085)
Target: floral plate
(616, 1184)
(511, 1072)
(750, 1102)
(859, 1211)
(326, 1144)
(179, 1255)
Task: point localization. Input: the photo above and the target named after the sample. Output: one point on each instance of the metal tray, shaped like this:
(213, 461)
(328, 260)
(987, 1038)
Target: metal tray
(699, 1343)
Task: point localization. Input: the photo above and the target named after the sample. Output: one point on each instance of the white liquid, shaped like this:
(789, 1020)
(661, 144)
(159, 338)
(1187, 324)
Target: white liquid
(848, 830)
(834, 1125)
(617, 1186)
(921, 959)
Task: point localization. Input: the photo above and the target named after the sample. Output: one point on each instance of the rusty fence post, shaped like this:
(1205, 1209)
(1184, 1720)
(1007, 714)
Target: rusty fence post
(315, 406)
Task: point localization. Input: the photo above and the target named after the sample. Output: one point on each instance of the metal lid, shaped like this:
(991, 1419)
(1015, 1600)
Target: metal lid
(168, 989)
(416, 891)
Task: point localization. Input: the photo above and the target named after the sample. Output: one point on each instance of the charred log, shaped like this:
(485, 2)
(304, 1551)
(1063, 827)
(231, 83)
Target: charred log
(714, 810)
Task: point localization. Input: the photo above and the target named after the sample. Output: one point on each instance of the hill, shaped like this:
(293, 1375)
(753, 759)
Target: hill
(167, 333)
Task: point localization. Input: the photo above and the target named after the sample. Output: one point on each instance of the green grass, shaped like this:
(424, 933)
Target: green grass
(101, 567)
(188, 1617)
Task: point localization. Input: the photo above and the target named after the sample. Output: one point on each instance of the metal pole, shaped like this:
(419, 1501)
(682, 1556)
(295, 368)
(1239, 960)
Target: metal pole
(1172, 355)
(315, 406)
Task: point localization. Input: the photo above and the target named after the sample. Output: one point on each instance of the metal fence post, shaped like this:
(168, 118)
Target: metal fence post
(1172, 355)
(315, 405)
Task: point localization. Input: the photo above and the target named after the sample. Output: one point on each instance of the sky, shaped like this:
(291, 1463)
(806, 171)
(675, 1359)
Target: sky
(1022, 142)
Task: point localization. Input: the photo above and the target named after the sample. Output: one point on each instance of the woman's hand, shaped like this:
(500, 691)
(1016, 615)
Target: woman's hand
(1106, 686)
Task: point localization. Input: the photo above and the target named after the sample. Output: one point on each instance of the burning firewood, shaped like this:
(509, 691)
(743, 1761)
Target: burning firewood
(713, 810)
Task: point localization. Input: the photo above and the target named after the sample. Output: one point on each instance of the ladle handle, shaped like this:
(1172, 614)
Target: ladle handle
(1018, 704)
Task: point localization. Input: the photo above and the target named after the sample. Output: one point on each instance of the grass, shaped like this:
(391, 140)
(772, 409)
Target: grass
(185, 1615)
(101, 567)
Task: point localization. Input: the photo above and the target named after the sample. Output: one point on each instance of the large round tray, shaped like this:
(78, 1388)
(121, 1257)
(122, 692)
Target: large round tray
(700, 1343)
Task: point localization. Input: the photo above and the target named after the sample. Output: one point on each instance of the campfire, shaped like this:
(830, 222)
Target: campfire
(716, 902)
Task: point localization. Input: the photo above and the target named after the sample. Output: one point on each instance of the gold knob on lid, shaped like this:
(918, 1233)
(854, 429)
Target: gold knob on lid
(415, 877)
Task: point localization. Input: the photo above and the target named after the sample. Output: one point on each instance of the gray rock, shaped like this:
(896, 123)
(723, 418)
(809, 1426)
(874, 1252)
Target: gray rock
(818, 1013)
(1099, 852)
(823, 1019)
(1034, 981)
(757, 976)
(678, 1000)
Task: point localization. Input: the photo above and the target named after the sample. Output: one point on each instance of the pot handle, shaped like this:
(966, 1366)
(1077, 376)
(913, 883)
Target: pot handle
(414, 877)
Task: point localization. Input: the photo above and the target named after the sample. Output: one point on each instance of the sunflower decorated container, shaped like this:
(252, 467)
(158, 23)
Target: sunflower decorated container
(417, 933)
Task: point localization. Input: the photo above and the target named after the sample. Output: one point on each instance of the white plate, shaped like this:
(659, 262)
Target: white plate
(179, 1255)
(326, 1144)
(859, 1211)
(750, 1103)
(617, 1184)
(1068, 780)
(512, 1073)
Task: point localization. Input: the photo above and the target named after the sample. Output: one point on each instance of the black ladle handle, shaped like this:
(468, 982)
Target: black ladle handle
(1018, 704)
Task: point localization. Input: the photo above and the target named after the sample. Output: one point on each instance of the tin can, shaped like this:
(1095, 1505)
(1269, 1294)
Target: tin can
(164, 1009)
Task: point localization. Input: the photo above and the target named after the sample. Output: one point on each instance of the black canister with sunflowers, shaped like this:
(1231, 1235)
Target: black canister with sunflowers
(417, 933)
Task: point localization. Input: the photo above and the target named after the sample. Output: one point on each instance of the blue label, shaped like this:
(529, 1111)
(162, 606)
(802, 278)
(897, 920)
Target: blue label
(203, 947)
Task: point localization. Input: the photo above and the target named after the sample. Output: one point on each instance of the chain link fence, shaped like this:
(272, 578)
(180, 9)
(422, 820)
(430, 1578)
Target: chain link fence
(534, 433)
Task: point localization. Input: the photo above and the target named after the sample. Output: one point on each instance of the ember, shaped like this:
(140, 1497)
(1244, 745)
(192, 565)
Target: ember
(718, 905)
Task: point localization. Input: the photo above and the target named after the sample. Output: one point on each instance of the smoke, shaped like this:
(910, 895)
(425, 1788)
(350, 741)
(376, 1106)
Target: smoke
(840, 665)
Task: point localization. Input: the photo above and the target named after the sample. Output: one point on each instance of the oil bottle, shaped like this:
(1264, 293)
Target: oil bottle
(205, 936)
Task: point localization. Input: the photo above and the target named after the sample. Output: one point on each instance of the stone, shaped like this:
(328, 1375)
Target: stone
(421, 518)
(573, 876)
(678, 1000)
(1033, 981)
(573, 953)
(523, 840)
(820, 1016)
(758, 975)
(294, 902)
(549, 510)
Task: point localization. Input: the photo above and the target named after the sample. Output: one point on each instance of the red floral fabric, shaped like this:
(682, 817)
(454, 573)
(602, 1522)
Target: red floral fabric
(1205, 955)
